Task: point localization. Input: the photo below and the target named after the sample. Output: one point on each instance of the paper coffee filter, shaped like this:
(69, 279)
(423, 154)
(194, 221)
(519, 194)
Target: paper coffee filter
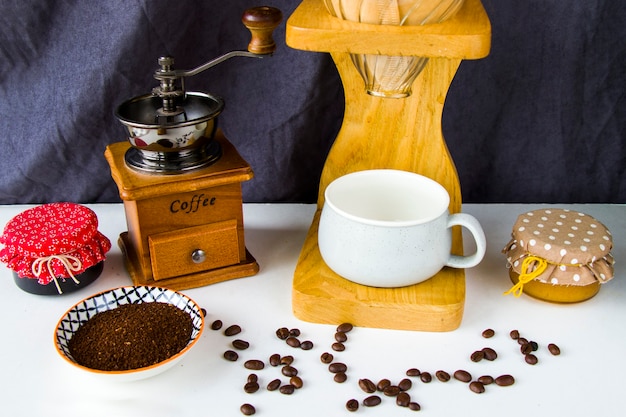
(394, 12)
(391, 76)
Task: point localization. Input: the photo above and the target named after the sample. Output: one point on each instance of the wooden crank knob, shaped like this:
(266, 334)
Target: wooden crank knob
(261, 22)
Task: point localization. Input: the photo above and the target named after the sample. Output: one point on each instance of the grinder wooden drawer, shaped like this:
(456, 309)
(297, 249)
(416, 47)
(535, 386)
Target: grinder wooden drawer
(194, 249)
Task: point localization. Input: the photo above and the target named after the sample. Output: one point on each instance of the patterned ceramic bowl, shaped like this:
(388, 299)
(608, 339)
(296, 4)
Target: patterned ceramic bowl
(125, 299)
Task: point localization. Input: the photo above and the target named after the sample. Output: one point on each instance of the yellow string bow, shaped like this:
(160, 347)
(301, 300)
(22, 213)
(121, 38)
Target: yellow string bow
(526, 275)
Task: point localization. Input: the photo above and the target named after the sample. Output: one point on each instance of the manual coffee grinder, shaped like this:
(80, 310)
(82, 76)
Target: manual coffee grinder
(180, 178)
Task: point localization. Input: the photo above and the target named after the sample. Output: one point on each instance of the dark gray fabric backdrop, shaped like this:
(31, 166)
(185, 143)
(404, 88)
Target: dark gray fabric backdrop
(542, 119)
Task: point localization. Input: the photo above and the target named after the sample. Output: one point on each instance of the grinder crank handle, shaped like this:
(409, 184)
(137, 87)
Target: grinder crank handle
(261, 22)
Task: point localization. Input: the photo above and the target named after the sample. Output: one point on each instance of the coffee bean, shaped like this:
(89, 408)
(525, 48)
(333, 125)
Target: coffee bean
(522, 340)
(426, 377)
(336, 367)
(326, 357)
(534, 345)
(477, 387)
(273, 385)
(282, 333)
(344, 327)
(514, 334)
(382, 384)
(352, 405)
(289, 370)
(216, 325)
(403, 399)
(293, 341)
(414, 406)
(391, 390)
(405, 384)
(531, 359)
(413, 372)
(306, 345)
(487, 333)
(338, 347)
(296, 381)
(294, 332)
(477, 356)
(372, 401)
(367, 385)
(341, 337)
(340, 377)
(485, 379)
(240, 344)
(489, 354)
(232, 330)
(462, 376)
(554, 349)
(286, 360)
(253, 378)
(526, 349)
(505, 380)
(203, 311)
(287, 389)
(254, 364)
(231, 355)
(251, 387)
(247, 409)
(275, 359)
(442, 376)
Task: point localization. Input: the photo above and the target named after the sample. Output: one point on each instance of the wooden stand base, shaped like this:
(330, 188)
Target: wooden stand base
(321, 296)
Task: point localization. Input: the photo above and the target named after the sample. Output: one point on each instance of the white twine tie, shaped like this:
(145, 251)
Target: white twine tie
(71, 264)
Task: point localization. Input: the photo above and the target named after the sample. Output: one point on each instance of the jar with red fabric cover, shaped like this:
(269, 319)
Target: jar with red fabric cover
(54, 248)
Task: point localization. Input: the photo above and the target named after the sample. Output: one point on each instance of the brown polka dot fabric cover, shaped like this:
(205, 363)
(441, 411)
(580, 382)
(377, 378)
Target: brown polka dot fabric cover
(575, 245)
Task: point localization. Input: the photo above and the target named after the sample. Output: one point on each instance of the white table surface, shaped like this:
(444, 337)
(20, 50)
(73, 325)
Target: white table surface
(588, 378)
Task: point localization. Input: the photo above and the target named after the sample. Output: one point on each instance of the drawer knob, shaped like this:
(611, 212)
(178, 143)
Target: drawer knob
(198, 256)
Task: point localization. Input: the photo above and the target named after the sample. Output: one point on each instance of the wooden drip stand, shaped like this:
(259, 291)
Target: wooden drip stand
(387, 133)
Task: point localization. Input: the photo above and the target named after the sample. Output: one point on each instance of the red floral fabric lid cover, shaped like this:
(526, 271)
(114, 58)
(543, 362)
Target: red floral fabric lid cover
(55, 240)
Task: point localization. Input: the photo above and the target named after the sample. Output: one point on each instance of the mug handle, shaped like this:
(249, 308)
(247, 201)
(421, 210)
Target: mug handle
(471, 224)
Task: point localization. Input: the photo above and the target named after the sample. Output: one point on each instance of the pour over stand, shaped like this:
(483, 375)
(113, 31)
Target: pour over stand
(387, 133)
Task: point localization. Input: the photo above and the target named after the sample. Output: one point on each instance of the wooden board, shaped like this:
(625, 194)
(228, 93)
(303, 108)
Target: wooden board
(467, 35)
(321, 296)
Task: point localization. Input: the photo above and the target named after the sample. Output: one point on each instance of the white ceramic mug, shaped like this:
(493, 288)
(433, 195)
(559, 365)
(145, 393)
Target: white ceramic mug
(391, 228)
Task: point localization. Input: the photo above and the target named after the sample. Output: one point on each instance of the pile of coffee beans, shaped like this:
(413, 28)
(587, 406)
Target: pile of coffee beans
(290, 381)
(374, 393)
(291, 338)
(338, 369)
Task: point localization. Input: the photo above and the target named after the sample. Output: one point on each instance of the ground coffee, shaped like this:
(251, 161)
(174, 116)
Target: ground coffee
(131, 336)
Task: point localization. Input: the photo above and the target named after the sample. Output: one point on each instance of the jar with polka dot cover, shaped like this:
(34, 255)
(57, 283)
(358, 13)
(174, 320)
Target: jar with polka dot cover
(559, 255)
(54, 248)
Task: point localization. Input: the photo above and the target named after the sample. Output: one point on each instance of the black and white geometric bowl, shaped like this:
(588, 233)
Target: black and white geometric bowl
(111, 299)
